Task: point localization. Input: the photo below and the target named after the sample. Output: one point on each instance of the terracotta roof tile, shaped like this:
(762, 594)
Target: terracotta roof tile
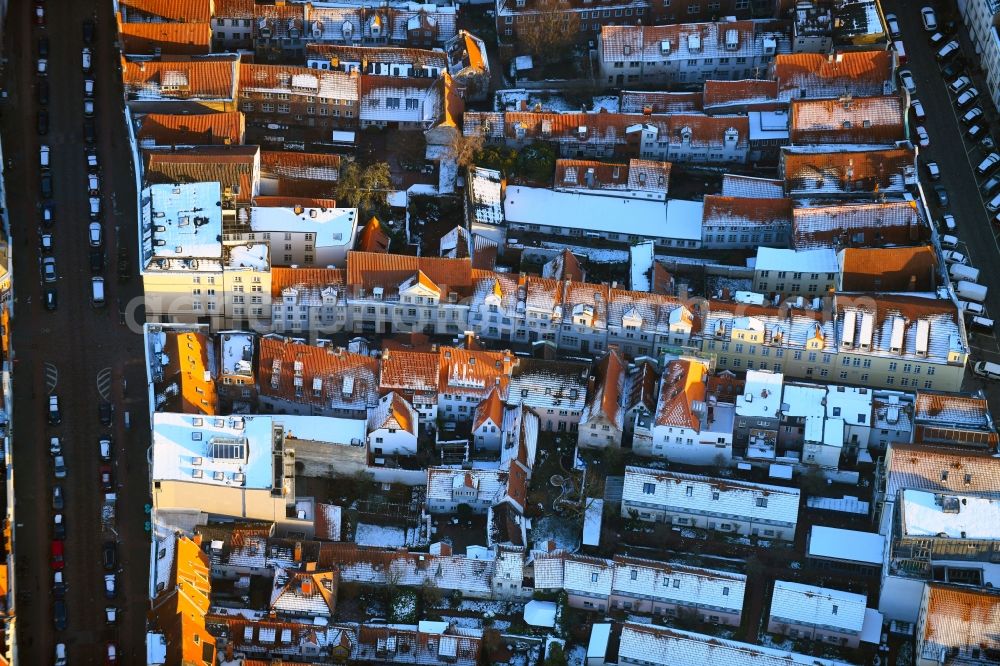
(649, 176)
(243, 9)
(372, 238)
(858, 224)
(232, 166)
(564, 266)
(590, 174)
(682, 383)
(322, 167)
(960, 620)
(490, 408)
(164, 129)
(367, 270)
(190, 372)
(410, 372)
(394, 413)
(889, 269)
(302, 279)
(941, 469)
(833, 75)
(188, 11)
(173, 38)
(660, 102)
(760, 93)
(606, 397)
(472, 371)
(959, 419)
(849, 171)
(292, 371)
(734, 185)
(212, 78)
(726, 210)
(340, 53)
(864, 120)
(298, 81)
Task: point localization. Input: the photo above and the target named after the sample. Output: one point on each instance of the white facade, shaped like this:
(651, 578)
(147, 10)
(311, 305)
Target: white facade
(980, 19)
(319, 237)
(392, 427)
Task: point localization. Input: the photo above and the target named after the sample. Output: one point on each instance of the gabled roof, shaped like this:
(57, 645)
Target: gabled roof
(188, 384)
(563, 266)
(889, 269)
(862, 73)
(941, 469)
(242, 9)
(287, 79)
(814, 606)
(308, 282)
(372, 238)
(325, 377)
(633, 101)
(275, 201)
(723, 210)
(606, 399)
(390, 55)
(179, 609)
(490, 408)
(187, 11)
(759, 93)
(233, 167)
(177, 39)
(393, 413)
(368, 270)
(411, 372)
(961, 622)
(165, 129)
(304, 593)
(681, 385)
(863, 224)
(734, 185)
(820, 171)
(853, 120)
(209, 78)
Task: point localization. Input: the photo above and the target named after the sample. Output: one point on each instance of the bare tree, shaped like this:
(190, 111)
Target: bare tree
(549, 32)
(464, 149)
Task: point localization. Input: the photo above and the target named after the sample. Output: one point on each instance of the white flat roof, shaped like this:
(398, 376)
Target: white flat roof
(803, 401)
(851, 403)
(332, 226)
(823, 260)
(675, 219)
(600, 634)
(187, 220)
(768, 125)
(213, 449)
(761, 394)
(237, 352)
(592, 522)
(833, 543)
(326, 429)
(951, 516)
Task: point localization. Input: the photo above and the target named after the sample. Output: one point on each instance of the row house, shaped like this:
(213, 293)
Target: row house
(689, 426)
(308, 380)
(786, 272)
(854, 173)
(751, 187)
(423, 643)
(168, 130)
(875, 340)
(745, 223)
(859, 224)
(305, 300)
(862, 73)
(312, 98)
(717, 505)
(392, 428)
(758, 415)
(652, 645)
(958, 625)
(154, 38)
(237, 383)
(404, 103)
(178, 611)
(161, 11)
(184, 85)
(618, 396)
(880, 120)
(640, 179)
(415, 376)
(377, 60)
(259, 639)
(740, 96)
(232, 25)
(819, 614)
(467, 377)
(177, 175)
(555, 390)
(479, 489)
(683, 137)
(954, 419)
(300, 235)
(687, 53)
(660, 102)
(937, 552)
(298, 180)
(907, 269)
(182, 369)
(410, 24)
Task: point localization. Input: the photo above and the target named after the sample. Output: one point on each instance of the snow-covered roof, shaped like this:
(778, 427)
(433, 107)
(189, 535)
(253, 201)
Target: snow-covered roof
(701, 494)
(540, 613)
(762, 394)
(216, 450)
(485, 190)
(833, 543)
(331, 227)
(851, 403)
(237, 352)
(768, 125)
(590, 576)
(600, 634)
(734, 185)
(803, 400)
(950, 516)
(795, 603)
(490, 484)
(641, 266)
(676, 219)
(662, 646)
(802, 261)
(322, 429)
(186, 220)
(675, 583)
(592, 522)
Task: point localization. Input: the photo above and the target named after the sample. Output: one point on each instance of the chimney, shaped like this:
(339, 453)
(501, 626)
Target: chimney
(524, 105)
(306, 586)
(298, 551)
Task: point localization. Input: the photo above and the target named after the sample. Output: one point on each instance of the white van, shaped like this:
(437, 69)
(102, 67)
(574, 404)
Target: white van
(981, 324)
(987, 369)
(97, 292)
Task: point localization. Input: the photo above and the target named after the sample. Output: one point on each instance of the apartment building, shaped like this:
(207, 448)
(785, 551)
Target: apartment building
(901, 269)
(980, 19)
(307, 301)
(180, 591)
(148, 38)
(640, 179)
(852, 173)
(787, 272)
(735, 507)
(880, 120)
(170, 129)
(237, 383)
(232, 25)
(602, 423)
(831, 75)
(859, 224)
(954, 419)
(392, 427)
(404, 103)
(688, 426)
(744, 223)
(188, 274)
(302, 236)
(819, 614)
(687, 53)
(317, 100)
(410, 24)
(414, 375)
(555, 390)
(957, 625)
(758, 415)
(182, 85)
(479, 489)
(180, 368)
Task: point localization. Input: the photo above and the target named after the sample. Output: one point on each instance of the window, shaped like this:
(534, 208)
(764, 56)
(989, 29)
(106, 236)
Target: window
(761, 502)
(593, 578)
(725, 591)
(634, 574)
(392, 102)
(689, 491)
(834, 611)
(648, 488)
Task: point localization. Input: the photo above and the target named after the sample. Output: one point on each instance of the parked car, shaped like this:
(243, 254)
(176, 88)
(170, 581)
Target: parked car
(933, 170)
(906, 79)
(105, 447)
(59, 467)
(59, 526)
(936, 40)
(88, 108)
(59, 584)
(110, 586)
(104, 412)
(55, 446)
(892, 23)
(92, 163)
(42, 91)
(39, 13)
(87, 57)
(48, 215)
(949, 50)
(917, 107)
(59, 615)
(970, 308)
(959, 84)
(42, 68)
(922, 137)
(58, 555)
(974, 132)
(96, 234)
(947, 224)
(110, 555)
(45, 185)
(51, 297)
(942, 196)
(954, 257)
(949, 242)
(981, 324)
(54, 414)
(111, 615)
(58, 501)
(112, 654)
(107, 478)
(990, 185)
(89, 130)
(928, 18)
(988, 164)
(43, 47)
(966, 98)
(88, 32)
(952, 69)
(88, 88)
(96, 260)
(49, 269)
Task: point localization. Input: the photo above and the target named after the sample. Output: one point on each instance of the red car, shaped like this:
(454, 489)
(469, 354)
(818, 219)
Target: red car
(107, 478)
(57, 555)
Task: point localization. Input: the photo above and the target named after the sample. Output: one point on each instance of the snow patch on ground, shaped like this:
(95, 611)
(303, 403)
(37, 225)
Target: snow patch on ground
(576, 655)
(388, 537)
(597, 255)
(565, 533)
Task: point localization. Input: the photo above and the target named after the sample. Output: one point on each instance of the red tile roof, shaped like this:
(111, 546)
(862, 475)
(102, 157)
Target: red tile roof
(719, 210)
(858, 224)
(832, 75)
(370, 269)
(186, 11)
(323, 167)
(234, 8)
(958, 621)
(680, 386)
(762, 94)
(848, 171)
(315, 278)
(288, 371)
(173, 38)
(165, 129)
(292, 202)
(208, 79)
(409, 372)
(190, 371)
(590, 174)
(490, 408)
(339, 53)
(854, 120)
(660, 102)
(889, 269)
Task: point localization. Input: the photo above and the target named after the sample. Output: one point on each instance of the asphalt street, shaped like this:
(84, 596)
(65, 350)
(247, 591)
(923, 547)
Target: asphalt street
(76, 351)
(957, 159)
